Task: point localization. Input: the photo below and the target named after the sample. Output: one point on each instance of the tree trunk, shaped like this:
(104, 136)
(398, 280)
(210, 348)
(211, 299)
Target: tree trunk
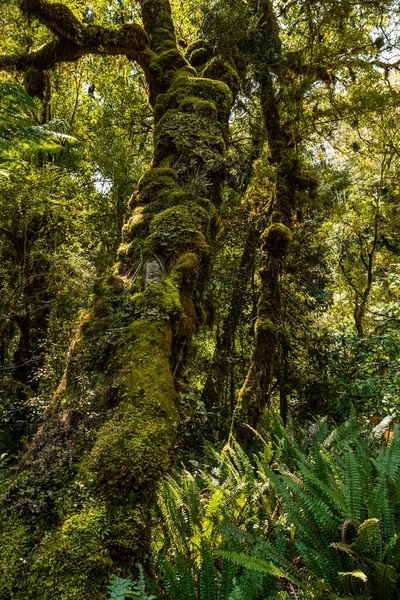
(79, 509)
(214, 391)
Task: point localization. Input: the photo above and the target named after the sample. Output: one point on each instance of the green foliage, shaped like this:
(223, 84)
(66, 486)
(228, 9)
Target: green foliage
(19, 134)
(193, 516)
(121, 589)
(340, 504)
(324, 525)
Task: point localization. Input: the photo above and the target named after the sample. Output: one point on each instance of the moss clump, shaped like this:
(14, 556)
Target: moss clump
(186, 269)
(137, 226)
(199, 57)
(73, 563)
(163, 66)
(170, 223)
(164, 201)
(265, 327)
(220, 69)
(202, 88)
(111, 287)
(192, 137)
(177, 230)
(156, 181)
(199, 52)
(196, 105)
(133, 448)
(159, 301)
(276, 239)
(186, 272)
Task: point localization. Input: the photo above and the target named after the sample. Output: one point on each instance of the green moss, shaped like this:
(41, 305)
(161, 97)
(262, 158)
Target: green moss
(202, 88)
(199, 44)
(220, 69)
(192, 137)
(15, 544)
(156, 181)
(158, 24)
(164, 65)
(164, 201)
(133, 448)
(159, 301)
(137, 226)
(185, 72)
(276, 239)
(124, 457)
(199, 56)
(111, 287)
(73, 563)
(154, 175)
(186, 269)
(196, 105)
(265, 326)
(178, 229)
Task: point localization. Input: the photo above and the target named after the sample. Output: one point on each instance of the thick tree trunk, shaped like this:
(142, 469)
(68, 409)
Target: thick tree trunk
(79, 509)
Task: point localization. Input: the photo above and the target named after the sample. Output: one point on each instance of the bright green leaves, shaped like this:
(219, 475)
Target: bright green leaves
(19, 134)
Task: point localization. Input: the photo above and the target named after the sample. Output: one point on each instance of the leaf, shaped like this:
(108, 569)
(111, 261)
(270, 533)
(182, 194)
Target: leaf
(263, 566)
(357, 574)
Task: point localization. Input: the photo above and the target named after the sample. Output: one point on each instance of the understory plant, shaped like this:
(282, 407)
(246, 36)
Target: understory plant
(341, 521)
(121, 589)
(320, 519)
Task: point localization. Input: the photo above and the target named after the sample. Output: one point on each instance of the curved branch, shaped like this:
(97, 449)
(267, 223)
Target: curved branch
(55, 16)
(129, 40)
(44, 58)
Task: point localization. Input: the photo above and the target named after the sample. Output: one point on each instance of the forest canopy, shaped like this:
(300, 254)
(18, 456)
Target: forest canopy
(199, 299)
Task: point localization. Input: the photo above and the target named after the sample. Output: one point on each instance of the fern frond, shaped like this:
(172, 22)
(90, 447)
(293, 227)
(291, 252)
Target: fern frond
(352, 480)
(208, 589)
(263, 566)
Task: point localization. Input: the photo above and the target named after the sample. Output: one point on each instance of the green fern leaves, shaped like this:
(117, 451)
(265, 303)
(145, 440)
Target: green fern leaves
(327, 525)
(122, 589)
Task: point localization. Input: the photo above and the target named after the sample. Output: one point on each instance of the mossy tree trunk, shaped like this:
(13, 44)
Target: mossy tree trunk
(255, 393)
(79, 508)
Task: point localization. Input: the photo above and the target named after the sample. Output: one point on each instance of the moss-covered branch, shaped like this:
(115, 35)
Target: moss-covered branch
(56, 16)
(255, 392)
(129, 40)
(157, 21)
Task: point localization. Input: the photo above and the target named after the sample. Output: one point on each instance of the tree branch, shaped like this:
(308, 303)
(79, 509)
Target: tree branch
(44, 58)
(129, 40)
(55, 16)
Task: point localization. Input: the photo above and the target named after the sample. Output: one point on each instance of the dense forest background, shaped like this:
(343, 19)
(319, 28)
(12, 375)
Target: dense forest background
(199, 299)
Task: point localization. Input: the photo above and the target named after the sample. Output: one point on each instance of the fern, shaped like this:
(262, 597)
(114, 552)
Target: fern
(208, 590)
(257, 564)
(328, 522)
(352, 481)
(19, 134)
(122, 589)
